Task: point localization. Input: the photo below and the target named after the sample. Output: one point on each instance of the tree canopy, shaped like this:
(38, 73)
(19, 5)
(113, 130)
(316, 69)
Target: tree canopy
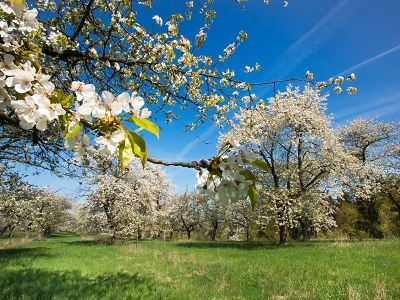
(94, 74)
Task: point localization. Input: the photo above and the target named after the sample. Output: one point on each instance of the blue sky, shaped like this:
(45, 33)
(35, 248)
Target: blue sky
(327, 37)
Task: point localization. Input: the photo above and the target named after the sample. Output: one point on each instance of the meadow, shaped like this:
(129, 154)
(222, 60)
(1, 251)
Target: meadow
(67, 266)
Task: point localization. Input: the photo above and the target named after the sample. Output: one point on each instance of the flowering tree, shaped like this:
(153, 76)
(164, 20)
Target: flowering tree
(215, 216)
(293, 136)
(188, 211)
(92, 72)
(126, 203)
(241, 218)
(28, 208)
(376, 145)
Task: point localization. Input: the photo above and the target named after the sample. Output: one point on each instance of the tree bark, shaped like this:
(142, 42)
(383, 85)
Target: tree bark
(282, 235)
(113, 238)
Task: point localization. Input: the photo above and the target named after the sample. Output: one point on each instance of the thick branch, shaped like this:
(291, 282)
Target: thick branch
(194, 164)
(6, 120)
(394, 200)
(82, 23)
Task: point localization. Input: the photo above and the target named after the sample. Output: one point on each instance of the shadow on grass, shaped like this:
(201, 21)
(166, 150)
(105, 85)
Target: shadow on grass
(97, 240)
(256, 245)
(235, 245)
(29, 283)
(22, 255)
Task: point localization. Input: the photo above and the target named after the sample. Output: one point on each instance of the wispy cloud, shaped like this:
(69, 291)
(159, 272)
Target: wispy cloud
(320, 24)
(189, 146)
(307, 44)
(370, 60)
(382, 107)
(310, 42)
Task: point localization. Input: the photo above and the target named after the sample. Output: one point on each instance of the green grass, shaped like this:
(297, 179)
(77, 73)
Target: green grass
(69, 267)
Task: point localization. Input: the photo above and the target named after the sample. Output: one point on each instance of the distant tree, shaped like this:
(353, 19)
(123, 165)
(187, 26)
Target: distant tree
(28, 208)
(215, 216)
(241, 218)
(188, 211)
(347, 218)
(295, 139)
(376, 146)
(129, 201)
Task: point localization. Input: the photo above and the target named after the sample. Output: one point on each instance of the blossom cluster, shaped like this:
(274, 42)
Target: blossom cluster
(23, 22)
(32, 96)
(90, 106)
(227, 182)
(36, 108)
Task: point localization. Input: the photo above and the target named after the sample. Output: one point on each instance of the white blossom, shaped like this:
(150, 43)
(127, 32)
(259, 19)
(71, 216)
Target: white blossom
(158, 20)
(109, 142)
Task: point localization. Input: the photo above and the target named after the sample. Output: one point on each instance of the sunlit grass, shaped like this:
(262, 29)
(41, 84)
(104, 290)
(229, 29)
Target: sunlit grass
(69, 267)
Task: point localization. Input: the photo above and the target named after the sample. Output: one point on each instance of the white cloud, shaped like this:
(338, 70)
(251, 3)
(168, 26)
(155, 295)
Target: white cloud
(370, 60)
(383, 107)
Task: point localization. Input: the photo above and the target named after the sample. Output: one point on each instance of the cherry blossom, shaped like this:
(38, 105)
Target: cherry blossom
(81, 146)
(158, 20)
(109, 142)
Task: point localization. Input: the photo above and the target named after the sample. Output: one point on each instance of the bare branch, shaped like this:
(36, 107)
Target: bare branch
(194, 164)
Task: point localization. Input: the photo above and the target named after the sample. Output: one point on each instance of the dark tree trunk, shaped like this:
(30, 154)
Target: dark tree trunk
(248, 234)
(47, 231)
(113, 238)
(214, 229)
(5, 228)
(282, 235)
(395, 201)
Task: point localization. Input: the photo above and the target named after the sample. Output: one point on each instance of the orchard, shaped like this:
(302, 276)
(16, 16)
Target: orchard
(80, 81)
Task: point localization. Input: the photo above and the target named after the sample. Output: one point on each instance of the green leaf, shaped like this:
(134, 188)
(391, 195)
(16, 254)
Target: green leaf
(138, 146)
(74, 131)
(253, 194)
(260, 164)
(249, 175)
(66, 100)
(35, 48)
(126, 154)
(145, 124)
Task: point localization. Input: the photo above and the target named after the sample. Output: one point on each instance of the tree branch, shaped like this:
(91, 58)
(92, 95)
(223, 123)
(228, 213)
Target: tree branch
(82, 23)
(194, 164)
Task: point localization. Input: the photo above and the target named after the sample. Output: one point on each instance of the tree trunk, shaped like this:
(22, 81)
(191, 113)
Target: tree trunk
(113, 238)
(214, 230)
(395, 201)
(5, 228)
(248, 234)
(113, 235)
(282, 235)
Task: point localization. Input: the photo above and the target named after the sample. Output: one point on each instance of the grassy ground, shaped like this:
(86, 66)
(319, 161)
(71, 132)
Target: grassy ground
(70, 267)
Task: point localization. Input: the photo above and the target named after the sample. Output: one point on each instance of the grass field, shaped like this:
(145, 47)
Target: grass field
(70, 267)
